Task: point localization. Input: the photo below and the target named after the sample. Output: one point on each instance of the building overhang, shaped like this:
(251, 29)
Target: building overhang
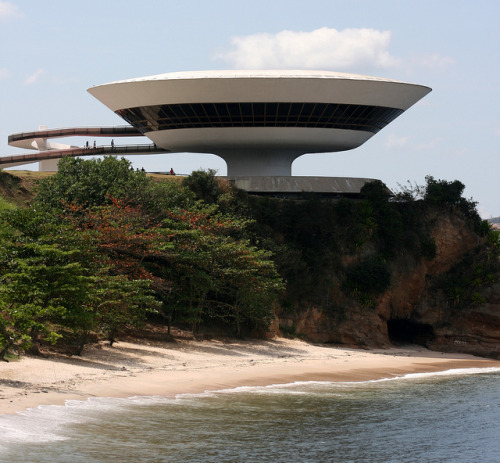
(258, 86)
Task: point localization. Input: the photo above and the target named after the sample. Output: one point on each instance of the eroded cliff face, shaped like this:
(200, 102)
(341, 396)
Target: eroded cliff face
(413, 309)
(476, 331)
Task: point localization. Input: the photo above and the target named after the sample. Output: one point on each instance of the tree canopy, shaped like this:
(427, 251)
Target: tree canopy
(103, 246)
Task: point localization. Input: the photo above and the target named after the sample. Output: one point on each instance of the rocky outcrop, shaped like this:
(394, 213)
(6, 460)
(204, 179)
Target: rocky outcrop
(475, 331)
(412, 310)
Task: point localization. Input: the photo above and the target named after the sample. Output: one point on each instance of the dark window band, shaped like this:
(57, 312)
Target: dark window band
(315, 115)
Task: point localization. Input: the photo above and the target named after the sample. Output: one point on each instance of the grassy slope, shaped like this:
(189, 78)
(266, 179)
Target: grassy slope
(17, 187)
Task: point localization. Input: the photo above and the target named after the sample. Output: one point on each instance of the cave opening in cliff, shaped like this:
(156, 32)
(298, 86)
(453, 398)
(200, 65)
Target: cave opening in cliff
(403, 331)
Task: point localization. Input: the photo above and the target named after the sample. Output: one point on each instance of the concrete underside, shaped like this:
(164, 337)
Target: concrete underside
(254, 151)
(286, 185)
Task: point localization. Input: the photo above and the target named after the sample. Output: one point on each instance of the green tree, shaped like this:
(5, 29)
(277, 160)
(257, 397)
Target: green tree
(42, 284)
(131, 242)
(450, 194)
(443, 191)
(90, 182)
(250, 283)
(204, 185)
(215, 274)
(54, 278)
(122, 302)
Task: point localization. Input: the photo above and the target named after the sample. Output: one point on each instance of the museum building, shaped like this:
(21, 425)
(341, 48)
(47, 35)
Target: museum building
(259, 122)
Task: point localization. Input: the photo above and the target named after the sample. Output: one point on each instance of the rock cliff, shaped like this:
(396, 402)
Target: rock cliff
(416, 308)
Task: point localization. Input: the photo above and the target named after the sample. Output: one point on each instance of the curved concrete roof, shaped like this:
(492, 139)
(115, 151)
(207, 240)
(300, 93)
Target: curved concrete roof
(254, 74)
(258, 86)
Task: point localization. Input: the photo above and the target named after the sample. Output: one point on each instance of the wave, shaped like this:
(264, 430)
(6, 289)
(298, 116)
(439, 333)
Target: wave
(47, 423)
(452, 372)
(291, 387)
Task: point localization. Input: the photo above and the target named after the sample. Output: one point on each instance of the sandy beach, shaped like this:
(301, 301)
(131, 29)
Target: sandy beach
(188, 366)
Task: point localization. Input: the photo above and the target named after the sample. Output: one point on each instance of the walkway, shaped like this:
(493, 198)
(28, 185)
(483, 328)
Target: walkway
(20, 159)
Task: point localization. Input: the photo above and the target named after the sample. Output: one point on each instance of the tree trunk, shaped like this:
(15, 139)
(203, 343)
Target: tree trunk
(111, 336)
(8, 345)
(238, 325)
(81, 343)
(4, 351)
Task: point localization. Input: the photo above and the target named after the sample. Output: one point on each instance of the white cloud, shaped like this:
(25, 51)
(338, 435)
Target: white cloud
(35, 77)
(9, 10)
(392, 141)
(323, 48)
(434, 62)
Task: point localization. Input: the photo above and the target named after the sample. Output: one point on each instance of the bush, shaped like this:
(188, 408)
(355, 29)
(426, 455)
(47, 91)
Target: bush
(204, 185)
(91, 182)
(5, 205)
(376, 192)
(443, 192)
(370, 276)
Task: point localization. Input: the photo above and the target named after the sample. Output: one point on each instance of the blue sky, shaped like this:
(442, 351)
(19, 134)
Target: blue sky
(51, 51)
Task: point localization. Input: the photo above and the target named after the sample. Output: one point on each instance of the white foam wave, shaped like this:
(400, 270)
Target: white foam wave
(452, 372)
(290, 388)
(46, 423)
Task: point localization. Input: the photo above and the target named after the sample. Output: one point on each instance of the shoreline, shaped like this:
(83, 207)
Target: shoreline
(186, 366)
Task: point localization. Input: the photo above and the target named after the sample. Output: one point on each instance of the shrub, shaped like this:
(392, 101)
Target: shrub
(376, 192)
(91, 182)
(428, 248)
(204, 185)
(370, 276)
(442, 191)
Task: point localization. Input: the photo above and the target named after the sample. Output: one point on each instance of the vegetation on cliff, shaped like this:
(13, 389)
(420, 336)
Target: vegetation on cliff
(102, 247)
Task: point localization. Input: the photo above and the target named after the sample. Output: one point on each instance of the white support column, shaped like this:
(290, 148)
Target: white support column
(49, 165)
(258, 162)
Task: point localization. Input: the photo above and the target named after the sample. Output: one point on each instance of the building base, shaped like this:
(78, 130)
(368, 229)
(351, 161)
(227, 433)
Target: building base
(295, 187)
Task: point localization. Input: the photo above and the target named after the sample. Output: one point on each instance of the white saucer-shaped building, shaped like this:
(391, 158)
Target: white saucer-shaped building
(259, 121)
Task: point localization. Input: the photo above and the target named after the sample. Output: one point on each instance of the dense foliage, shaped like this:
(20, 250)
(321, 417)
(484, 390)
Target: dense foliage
(329, 250)
(104, 247)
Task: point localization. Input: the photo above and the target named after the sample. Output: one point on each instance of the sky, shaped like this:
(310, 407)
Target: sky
(52, 51)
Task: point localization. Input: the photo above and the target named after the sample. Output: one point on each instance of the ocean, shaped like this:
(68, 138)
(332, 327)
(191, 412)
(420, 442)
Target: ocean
(451, 416)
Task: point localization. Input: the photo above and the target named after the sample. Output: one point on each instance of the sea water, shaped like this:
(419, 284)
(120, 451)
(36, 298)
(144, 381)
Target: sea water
(452, 416)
